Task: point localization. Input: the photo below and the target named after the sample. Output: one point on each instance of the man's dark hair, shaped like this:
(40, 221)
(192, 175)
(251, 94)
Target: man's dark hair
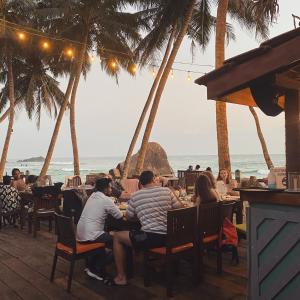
(15, 170)
(6, 180)
(197, 167)
(32, 179)
(102, 184)
(146, 177)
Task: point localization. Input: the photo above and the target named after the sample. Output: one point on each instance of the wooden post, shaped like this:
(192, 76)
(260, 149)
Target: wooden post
(292, 130)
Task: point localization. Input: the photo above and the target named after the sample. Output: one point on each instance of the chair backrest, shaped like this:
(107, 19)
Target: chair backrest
(209, 218)
(72, 203)
(41, 191)
(190, 178)
(227, 210)
(130, 185)
(74, 181)
(65, 231)
(181, 226)
(46, 197)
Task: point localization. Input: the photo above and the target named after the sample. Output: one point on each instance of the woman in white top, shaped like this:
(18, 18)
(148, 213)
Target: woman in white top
(225, 185)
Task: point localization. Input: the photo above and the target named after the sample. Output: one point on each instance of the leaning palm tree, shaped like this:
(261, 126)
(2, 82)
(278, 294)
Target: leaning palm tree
(99, 26)
(187, 7)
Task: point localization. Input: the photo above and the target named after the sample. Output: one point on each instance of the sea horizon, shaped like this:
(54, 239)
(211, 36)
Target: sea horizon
(62, 167)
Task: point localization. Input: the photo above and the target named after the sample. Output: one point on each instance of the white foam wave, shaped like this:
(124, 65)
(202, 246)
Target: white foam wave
(263, 172)
(61, 163)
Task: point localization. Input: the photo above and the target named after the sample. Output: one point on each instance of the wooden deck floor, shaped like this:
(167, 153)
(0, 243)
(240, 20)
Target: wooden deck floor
(25, 265)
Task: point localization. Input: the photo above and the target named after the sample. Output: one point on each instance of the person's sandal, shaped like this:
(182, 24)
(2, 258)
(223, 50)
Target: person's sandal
(111, 282)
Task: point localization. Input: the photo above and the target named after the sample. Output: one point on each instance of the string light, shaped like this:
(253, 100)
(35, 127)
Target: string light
(189, 77)
(133, 68)
(21, 36)
(92, 58)
(45, 45)
(69, 52)
(113, 64)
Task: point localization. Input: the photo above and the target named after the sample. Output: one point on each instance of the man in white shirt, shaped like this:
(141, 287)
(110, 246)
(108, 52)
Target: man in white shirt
(90, 228)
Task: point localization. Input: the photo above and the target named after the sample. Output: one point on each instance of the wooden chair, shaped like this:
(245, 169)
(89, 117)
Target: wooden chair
(72, 206)
(227, 210)
(10, 217)
(46, 201)
(190, 180)
(210, 230)
(180, 243)
(69, 249)
(74, 181)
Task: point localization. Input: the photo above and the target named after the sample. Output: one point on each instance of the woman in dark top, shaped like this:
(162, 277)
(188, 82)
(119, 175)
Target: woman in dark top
(204, 190)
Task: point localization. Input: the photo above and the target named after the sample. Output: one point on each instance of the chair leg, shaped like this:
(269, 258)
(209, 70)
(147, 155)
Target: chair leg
(169, 276)
(29, 224)
(70, 275)
(35, 226)
(53, 267)
(219, 260)
(50, 224)
(129, 262)
(235, 255)
(146, 269)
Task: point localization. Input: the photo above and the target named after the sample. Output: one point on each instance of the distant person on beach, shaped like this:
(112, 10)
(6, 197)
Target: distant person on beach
(17, 182)
(225, 185)
(190, 168)
(197, 168)
(204, 190)
(9, 196)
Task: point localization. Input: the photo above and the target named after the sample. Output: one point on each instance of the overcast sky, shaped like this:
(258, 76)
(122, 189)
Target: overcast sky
(107, 113)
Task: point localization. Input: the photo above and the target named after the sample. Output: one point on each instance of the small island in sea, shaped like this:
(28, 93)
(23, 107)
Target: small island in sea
(33, 159)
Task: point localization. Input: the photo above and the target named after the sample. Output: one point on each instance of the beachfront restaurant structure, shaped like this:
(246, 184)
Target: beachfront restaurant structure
(269, 77)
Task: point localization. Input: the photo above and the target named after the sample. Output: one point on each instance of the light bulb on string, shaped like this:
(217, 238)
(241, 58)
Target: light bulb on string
(153, 72)
(92, 58)
(189, 77)
(133, 69)
(69, 52)
(45, 45)
(113, 64)
(21, 36)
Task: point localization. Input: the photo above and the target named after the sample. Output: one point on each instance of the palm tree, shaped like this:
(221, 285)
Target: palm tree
(261, 139)
(147, 105)
(221, 114)
(16, 11)
(182, 30)
(101, 25)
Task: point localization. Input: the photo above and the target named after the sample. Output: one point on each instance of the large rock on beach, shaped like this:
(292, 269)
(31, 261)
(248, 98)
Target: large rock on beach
(156, 160)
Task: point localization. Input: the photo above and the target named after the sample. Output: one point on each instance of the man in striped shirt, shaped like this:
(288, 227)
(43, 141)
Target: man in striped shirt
(150, 205)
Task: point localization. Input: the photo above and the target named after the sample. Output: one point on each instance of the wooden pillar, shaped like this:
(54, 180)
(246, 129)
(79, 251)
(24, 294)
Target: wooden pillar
(292, 130)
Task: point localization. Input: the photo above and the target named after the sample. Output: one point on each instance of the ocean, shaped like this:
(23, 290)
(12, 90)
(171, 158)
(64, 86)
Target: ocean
(60, 168)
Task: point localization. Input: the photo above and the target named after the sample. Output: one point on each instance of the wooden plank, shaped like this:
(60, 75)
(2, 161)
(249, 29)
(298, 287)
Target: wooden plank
(36, 280)
(20, 286)
(7, 293)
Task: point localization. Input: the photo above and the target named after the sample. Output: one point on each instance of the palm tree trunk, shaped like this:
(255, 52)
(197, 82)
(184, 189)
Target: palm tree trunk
(11, 95)
(262, 139)
(57, 127)
(76, 164)
(147, 105)
(162, 84)
(5, 115)
(221, 113)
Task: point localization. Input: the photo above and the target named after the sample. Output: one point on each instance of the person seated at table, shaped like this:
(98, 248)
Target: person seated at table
(32, 181)
(9, 196)
(211, 178)
(17, 182)
(204, 191)
(117, 189)
(209, 169)
(197, 168)
(90, 228)
(190, 168)
(150, 206)
(225, 185)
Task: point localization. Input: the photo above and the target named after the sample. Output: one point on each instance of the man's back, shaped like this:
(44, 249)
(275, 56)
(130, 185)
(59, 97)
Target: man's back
(151, 206)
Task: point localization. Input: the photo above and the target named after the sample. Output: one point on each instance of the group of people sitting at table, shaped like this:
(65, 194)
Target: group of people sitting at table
(149, 206)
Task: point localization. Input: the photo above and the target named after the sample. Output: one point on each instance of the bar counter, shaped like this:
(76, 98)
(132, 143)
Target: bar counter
(273, 231)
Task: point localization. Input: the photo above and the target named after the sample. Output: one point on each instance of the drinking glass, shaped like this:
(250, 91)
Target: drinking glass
(294, 181)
